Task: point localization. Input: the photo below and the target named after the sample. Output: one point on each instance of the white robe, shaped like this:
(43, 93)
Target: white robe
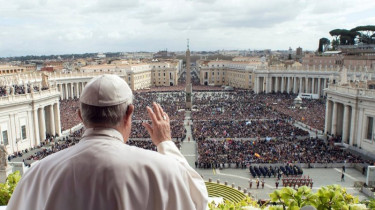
(101, 172)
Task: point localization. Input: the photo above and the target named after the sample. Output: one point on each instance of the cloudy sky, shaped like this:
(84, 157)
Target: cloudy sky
(44, 27)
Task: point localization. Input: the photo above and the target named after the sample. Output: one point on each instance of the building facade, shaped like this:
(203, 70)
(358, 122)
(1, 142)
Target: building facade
(140, 75)
(260, 78)
(8, 70)
(350, 113)
(26, 119)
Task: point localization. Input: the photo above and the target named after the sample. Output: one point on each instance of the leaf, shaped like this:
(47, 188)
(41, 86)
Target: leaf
(275, 196)
(304, 190)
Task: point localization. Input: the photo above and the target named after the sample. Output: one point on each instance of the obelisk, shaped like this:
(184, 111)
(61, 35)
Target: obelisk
(188, 88)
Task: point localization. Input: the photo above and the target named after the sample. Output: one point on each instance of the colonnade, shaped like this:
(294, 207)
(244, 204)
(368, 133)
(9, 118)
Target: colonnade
(70, 90)
(46, 121)
(340, 120)
(291, 84)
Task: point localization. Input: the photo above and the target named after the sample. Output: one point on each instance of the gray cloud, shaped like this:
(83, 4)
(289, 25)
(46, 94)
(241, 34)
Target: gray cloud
(76, 26)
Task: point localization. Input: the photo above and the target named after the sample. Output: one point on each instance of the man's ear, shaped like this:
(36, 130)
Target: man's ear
(79, 115)
(129, 113)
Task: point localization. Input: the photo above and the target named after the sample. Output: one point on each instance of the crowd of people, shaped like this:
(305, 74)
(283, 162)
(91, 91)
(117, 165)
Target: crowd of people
(279, 150)
(147, 144)
(245, 105)
(68, 113)
(312, 112)
(263, 122)
(245, 129)
(56, 146)
(177, 129)
(18, 89)
(173, 103)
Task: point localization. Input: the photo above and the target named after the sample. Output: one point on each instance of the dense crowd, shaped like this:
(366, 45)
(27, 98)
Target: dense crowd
(226, 115)
(177, 129)
(54, 147)
(312, 112)
(281, 150)
(147, 144)
(234, 105)
(172, 103)
(245, 105)
(68, 114)
(245, 129)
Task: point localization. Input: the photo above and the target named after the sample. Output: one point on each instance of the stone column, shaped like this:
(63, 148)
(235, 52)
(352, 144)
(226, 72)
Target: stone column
(42, 124)
(359, 125)
(334, 118)
(36, 127)
(71, 91)
(282, 84)
(295, 85)
(56, 108)
(352, 127)
(345, 124)
(319, 87)
(52, 120)
(325, 83)
(313, 85)
(277, 84)
(61, 91)
(269, 84)
(306, 84)
(79, 90)
(300, 85)
(288, 84)
(328, 120)
(66, 91)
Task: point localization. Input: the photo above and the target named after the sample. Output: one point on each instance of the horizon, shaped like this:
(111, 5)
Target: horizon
(77, 27)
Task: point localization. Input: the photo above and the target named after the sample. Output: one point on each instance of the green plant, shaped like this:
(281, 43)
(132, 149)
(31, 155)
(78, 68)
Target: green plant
(292, 199)
(228, 205)
(334, 197)
(329, 197)
(7, 188)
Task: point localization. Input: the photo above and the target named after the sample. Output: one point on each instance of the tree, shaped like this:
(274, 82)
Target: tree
(343, 37)
(336, 34)
(366, 33)
(323, 44)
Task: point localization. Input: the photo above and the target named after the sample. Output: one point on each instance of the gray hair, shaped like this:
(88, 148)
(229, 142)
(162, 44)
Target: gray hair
(107, 116)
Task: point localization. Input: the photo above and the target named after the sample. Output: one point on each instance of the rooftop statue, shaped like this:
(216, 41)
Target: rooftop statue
(3, 157)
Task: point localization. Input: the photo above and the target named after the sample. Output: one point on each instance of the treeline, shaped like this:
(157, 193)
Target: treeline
(64, 57)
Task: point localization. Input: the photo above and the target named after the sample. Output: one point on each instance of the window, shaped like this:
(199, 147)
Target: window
(370, 127)
(23, 132)
(5, 137)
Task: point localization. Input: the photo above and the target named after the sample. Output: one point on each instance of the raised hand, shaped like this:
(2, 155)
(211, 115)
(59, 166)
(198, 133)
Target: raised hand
(159, 129)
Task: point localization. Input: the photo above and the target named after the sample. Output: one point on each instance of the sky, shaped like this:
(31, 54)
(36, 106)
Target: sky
(45, 27)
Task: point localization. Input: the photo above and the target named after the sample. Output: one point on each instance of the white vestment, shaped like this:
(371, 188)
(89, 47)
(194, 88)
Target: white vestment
(101, 172)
